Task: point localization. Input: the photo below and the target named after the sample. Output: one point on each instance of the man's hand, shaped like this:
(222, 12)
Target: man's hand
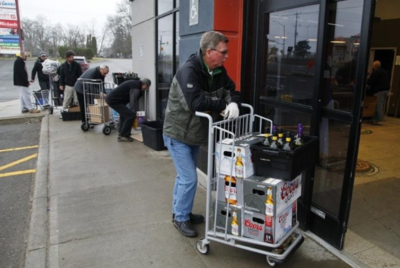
(231, 111)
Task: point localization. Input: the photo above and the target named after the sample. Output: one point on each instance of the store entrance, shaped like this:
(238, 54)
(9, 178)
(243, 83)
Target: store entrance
(311, 68)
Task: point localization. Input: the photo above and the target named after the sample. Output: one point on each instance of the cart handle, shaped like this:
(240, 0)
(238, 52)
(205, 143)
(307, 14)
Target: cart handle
(202, 114)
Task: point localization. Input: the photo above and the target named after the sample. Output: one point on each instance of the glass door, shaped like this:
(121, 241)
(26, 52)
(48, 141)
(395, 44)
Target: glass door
(312, 61)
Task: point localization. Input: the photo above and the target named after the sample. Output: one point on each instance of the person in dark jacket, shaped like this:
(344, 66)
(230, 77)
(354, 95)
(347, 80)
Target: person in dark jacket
(44, 79)
(200, 84)
(22, 82)
(96, 73)
(128, 92)
(69, 72)
(379, 83)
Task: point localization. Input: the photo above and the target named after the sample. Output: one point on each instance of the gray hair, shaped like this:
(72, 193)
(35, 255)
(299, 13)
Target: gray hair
(146, 81)
(103, 66)
(211, 39)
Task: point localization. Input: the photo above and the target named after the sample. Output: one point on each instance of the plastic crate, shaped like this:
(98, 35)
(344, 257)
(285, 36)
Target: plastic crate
(284, 165)
(152, 135)
(71, 116)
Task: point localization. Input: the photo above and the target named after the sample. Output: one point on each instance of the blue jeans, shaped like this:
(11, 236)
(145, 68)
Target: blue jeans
(380, 103)
(185, 158)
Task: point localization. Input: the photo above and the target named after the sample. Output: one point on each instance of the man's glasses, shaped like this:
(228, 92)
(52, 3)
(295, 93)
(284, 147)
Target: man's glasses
(223, 52)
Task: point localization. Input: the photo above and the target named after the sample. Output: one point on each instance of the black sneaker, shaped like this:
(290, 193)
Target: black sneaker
(125, 139)
(185, 228)
(194, 218)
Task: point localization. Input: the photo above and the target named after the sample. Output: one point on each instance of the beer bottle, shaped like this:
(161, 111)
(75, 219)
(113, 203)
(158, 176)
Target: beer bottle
(239, 165)
(232, 195)
(235, 224)
(266, 142)
(280, 140)
(298, 141)
(294, 213)
(269, 203)
(274, 143)
(288, 144)
(268, 238)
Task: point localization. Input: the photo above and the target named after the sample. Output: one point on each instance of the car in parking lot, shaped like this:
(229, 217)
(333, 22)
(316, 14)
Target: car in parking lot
(83, 62)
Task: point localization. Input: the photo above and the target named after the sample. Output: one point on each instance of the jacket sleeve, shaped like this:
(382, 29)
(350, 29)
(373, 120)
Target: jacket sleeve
(21, 73)
(61, 73)
(196, 100)
(134, 95)
(34, 70)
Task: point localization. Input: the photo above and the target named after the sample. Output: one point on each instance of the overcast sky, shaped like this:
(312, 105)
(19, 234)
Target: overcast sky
(74, 12)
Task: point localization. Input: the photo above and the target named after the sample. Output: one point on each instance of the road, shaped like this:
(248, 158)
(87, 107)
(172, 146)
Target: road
(9, 92)
(18, 160)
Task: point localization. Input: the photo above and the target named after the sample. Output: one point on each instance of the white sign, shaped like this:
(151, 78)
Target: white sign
(8, 4)
(194, 12)
(8, 14)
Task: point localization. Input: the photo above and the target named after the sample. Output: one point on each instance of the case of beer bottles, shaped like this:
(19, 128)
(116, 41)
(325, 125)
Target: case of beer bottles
(236, 190)
(285, 165)
(241, 157)
(282, 193)
(234, 218)
(268, 228)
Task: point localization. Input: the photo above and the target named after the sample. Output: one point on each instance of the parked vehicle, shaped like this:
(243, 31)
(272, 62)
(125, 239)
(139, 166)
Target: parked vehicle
(83, 62)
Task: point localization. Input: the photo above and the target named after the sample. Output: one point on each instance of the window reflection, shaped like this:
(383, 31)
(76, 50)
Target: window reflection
(344, 29)
(337, 93)
(164, 6)
(291, 45)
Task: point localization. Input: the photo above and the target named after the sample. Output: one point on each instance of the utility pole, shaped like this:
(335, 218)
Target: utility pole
(295, 31)
(19, 27)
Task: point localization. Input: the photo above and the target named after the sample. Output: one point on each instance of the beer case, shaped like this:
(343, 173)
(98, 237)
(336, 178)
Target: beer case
(254, 224)
(223, 188)
(224, 158)
(283, 193)
(222, 213)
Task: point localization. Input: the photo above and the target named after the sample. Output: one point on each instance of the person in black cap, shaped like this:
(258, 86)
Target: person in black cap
(44, 81)
(128, 92)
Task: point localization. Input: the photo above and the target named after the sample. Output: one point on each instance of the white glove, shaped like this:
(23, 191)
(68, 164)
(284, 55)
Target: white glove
(231, 111)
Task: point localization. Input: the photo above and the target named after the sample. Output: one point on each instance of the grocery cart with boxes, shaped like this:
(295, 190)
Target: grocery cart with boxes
(248, 206)
(97, 110)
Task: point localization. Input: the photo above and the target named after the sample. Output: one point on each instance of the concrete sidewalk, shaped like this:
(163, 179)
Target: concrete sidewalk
(100, 203)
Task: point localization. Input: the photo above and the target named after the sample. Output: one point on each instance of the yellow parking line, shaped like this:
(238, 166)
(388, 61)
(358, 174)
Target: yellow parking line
(19, 148)
(17, 173)
(18, 161)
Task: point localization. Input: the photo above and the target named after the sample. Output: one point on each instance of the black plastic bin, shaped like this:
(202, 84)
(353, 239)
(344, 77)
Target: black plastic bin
(119, 78)
(284, 165)
(152, 135)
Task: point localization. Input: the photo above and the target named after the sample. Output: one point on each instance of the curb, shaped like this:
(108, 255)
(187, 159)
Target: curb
(21, 119)
(36, 251)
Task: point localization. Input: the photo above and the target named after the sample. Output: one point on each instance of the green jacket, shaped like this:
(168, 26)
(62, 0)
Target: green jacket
(194, 89)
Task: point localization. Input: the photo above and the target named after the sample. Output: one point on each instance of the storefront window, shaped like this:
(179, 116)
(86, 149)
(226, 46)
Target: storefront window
(291, 46)
(164, 6)
(167, 57)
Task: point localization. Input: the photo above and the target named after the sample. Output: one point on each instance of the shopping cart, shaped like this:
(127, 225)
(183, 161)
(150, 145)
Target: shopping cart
(239, 129)
(50, 68)
(40, 99)
(96, 109)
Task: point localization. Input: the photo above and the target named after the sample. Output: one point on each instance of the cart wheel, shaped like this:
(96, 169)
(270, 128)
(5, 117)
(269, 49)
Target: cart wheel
(85, 126)
(106, 130)
(51, 110)
(270, 262)
(203, 250)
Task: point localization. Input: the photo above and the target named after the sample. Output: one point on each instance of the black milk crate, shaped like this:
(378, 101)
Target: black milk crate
(70, 116)
(281, 164)
(152, 135)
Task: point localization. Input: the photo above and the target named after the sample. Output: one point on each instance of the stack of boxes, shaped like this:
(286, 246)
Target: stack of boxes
(247, 195)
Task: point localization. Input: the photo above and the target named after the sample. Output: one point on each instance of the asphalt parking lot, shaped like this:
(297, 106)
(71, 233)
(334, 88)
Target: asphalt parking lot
(18, 159)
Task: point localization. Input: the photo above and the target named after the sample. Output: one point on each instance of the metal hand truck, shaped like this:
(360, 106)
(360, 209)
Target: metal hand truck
(96, 109)
(235, 130)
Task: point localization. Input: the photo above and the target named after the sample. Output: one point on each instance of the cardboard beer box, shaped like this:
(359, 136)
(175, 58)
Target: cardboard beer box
(258, 227)
(222, 213)
(283, 193)
(225, 157)
(96, 113)
(236, 190)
